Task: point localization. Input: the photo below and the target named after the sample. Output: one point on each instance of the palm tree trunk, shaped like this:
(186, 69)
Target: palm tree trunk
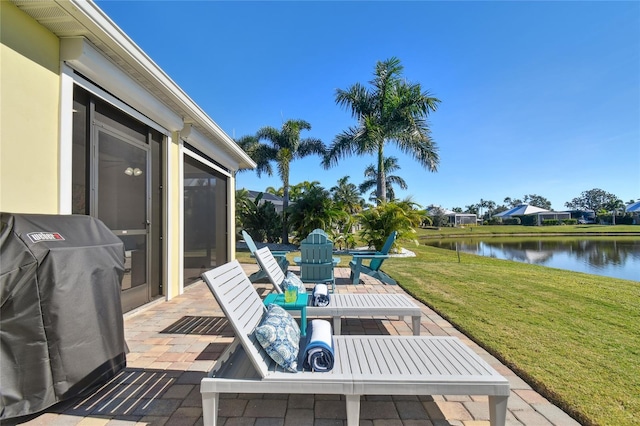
(285, 205)
(382, 182)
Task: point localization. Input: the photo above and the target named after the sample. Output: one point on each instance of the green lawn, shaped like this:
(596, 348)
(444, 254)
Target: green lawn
(574, 337)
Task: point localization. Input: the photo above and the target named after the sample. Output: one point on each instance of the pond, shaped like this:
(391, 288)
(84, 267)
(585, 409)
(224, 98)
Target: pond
(608, 256)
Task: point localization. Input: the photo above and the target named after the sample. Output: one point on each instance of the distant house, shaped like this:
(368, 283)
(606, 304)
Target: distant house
(463, 218)
(633, 207)
(538, 215)
(583, 216)
(634, 210)
(550, 215)
(276, 200)
(92, 126)
(520, 210)
(453, 218)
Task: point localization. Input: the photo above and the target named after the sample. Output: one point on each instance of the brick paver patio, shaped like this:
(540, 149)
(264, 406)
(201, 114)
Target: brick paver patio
(173, 344)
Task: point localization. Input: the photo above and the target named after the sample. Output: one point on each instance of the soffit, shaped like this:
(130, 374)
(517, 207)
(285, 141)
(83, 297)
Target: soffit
(73, 18)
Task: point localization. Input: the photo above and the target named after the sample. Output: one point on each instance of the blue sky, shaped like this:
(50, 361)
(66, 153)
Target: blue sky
(536, 97)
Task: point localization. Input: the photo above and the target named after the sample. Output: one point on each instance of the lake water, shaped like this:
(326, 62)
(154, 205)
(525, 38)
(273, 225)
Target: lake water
(618, 258)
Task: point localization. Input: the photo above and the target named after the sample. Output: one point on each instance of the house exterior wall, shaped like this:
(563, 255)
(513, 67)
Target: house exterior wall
(37, 82)
(29, 111)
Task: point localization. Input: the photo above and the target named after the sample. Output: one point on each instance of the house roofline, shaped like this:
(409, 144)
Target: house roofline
(83, 18)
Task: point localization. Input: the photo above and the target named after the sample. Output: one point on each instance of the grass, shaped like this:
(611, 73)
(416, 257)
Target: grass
(245, 257)
(574, 337)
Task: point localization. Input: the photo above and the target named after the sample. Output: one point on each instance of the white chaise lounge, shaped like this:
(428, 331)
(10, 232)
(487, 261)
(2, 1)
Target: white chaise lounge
(347, 305)
(364, 365)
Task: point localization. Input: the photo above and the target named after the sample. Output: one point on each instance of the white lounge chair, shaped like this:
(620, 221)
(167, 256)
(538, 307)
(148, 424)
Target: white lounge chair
(345, 305)
(364, 365)
(281, 257)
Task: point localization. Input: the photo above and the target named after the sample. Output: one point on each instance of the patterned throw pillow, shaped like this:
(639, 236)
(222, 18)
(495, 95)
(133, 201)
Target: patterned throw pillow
(279, 335)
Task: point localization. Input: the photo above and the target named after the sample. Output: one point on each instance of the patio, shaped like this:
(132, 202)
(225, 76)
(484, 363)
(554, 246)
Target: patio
(173, 344)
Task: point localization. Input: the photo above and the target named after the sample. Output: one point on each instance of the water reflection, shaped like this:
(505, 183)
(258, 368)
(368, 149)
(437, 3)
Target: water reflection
(608, 257)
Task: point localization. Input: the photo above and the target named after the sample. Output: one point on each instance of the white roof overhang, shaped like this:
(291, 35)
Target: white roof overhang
(95, 46)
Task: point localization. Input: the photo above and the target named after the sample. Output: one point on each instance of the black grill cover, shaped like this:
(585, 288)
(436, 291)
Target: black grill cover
(61, 325)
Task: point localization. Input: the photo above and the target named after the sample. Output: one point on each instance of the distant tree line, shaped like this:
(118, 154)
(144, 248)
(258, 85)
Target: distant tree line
(342, 211)
(596, 200)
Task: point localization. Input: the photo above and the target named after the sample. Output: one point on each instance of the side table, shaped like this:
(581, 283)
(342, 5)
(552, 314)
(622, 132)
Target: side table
(299, 305)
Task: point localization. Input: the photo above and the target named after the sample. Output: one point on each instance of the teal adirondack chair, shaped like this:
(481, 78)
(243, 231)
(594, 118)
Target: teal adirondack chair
(375, 262)
(316, 259)
(281, 257)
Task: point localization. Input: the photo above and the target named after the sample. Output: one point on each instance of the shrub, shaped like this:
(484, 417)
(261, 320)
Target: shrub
(342, 234)
(438, 220)
(264, 223)
(346, 241)
(550, 222)
(260, 220)
(426, 222)
(627, 219)
(314, 210)
(377, 223)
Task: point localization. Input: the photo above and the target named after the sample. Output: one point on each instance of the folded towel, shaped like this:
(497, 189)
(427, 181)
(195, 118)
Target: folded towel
(320, 295)
(318, 352)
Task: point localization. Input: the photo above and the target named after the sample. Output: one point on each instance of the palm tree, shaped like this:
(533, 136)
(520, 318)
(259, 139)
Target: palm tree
(273, 191)
(285, 147)
(347, 195)
(394, 110)
(298, 190)
(491, 206)
(615, 205)
(314, 209)
(243, 207)
(371, 175)
(510, 202)
(473, 209)
(251, 145)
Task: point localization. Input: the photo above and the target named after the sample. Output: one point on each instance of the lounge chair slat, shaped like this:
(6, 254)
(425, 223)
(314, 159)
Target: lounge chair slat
(280, 258)
(364, 365)
(344, 305)
(383, 364)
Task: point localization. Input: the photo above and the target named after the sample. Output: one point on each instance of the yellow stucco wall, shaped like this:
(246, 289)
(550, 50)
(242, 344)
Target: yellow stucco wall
(232, 217)
(174, 224)
(29, 117)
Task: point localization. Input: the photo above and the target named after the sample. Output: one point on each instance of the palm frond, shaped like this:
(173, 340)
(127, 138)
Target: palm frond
(271, 134)
(424, 151)
(396, 180)
(344, 145)
(393, 110)
(310, 146)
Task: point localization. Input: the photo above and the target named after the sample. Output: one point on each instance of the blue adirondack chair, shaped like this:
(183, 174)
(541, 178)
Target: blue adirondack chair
(316, 259)
(375, 262)
(281, 257)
